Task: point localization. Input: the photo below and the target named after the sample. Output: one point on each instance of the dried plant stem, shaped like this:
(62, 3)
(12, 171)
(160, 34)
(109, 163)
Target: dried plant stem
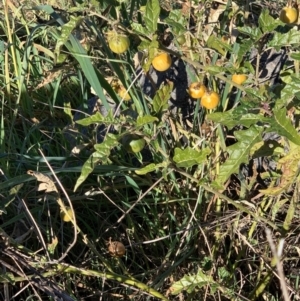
(277, 255)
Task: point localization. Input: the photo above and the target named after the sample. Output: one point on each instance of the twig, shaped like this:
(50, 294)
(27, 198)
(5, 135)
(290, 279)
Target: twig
(277, 255)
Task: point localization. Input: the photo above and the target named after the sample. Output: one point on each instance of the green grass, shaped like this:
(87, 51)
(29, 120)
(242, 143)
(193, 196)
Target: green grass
(192, 205)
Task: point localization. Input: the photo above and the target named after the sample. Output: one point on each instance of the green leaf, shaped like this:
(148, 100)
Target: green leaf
(53, 245)
(290, 214)
(4, 186)
(277, 206)
(5, 202)
(177, 21)
(142, 120)
(266, 22)
(188, 157)
(133, 184)
(152, 15)
(140, 29)
(7, 277)
(100, 155)
(66, 31)
(283, 126)
(98, 118)
(151, 167)
(80, 55)
(253, 32)
(239, 152)
(213, 69)
(217, 44)
(151, 49)
(255, 93)
(266, 149)
(289, 168)
(243, 49)
(144, 45)
(190, 282)
(133, 143)
(87, 168)
(295, 56)
(161, 98)
(223, 274)
(237, 116)
(77, 9)
(61, 58)
(288, 93)
(103, 149)
(285, 39)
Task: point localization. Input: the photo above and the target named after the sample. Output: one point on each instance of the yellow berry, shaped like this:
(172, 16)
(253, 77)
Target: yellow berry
(196, 90)
(162, 62)
(210, 100)
(288, 15)
(66, 217)
(239, 78)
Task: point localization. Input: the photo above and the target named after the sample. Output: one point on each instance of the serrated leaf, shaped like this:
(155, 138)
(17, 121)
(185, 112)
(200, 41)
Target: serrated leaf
(239, 152)
(162, 96)
(100, 155)
(289, 77)
(150, 168)
(223, 273)
(66, 31)
(152, 15)
(217, 44)
(176, 20)
(152, 52)
(144, 45)
(277, 206)
(266, 149)
(97, 118)
(87, 168)
(142, 120)
(188, 157)
(104, 148)
(190, 282)
(140, 29)
(253, 32)
(237, 116)
(266, 22)
(256, 93)
(285, 39)
(288, 165)
(213, 69)
(295, 56)
(283, 126)
(243, 49)
(288, 93)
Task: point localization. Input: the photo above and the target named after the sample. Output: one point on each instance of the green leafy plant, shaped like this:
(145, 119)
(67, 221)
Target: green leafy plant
(91, 123)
